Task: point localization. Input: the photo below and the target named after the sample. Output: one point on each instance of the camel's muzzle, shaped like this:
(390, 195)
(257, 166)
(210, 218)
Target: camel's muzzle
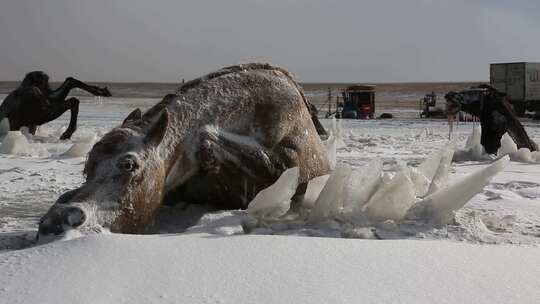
(61, 219)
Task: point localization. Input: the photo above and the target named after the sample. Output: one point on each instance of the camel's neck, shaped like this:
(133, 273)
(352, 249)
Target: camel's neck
(71, 83)
(185, 121)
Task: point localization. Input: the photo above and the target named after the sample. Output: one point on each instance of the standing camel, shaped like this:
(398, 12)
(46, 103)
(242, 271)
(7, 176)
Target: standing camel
(34, 103)
(495, 113)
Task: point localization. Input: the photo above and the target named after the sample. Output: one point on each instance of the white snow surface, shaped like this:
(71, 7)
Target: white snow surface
(200, 268)
(229, 257)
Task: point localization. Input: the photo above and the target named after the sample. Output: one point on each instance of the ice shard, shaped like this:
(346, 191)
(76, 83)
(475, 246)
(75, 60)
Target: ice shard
(15, 143)
(535, 155)
(336, 128)
(432, 173)
(523, 155)
(508, 146)
(474, 139)
(330, 200)
(337, 132)
(362, 184)
(275, 200)
(330, 145)
(81, 147)
(429, 166)
(313, 190)
(392, 198)
(438, 207)
(420, 181)
(473, 149)
(4, 127)
(440, 179)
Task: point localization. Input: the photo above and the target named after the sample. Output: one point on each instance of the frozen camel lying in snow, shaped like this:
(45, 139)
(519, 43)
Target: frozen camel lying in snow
(220, 140)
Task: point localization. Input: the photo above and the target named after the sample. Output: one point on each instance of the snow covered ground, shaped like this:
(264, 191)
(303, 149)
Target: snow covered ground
(217, 262)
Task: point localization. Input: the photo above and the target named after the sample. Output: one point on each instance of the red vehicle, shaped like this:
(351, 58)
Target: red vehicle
(358, 102)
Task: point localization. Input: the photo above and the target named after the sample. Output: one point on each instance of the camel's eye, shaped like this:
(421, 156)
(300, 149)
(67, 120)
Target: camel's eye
(128, 164)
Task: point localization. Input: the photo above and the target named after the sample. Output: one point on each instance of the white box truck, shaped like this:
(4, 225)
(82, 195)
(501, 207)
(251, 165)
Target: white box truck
(521, 83)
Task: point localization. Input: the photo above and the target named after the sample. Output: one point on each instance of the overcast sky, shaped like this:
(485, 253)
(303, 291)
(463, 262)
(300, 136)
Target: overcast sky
(326, 41)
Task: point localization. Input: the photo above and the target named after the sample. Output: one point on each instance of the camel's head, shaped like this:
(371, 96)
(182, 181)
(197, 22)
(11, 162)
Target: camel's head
(125, 176)
(454, 101)
(37, 79)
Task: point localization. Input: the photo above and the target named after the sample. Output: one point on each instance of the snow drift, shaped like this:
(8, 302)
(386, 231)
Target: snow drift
(199, 268)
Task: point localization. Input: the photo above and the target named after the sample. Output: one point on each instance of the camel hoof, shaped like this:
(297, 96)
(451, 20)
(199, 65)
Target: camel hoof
(66, 136)
(105, 92)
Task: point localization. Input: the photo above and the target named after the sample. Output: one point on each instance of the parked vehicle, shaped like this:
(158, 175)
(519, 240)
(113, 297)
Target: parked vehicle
(429, 108)
(358, 102)
(521, 83)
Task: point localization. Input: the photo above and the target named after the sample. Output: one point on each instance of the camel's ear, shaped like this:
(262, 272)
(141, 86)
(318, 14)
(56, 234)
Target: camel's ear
(133, 116)
(157, 129)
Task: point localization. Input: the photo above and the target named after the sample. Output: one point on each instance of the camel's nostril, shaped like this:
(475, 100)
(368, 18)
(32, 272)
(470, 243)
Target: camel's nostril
(73, 216)
(57, 221)
(50, 226)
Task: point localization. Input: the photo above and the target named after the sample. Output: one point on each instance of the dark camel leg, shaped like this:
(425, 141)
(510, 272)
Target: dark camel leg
(73, 104)
(247, 156)
(515, 128)
(57, 109)
(498, 118)
(71, 83)
(240, 167)
(32, 129)
(315, 119)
